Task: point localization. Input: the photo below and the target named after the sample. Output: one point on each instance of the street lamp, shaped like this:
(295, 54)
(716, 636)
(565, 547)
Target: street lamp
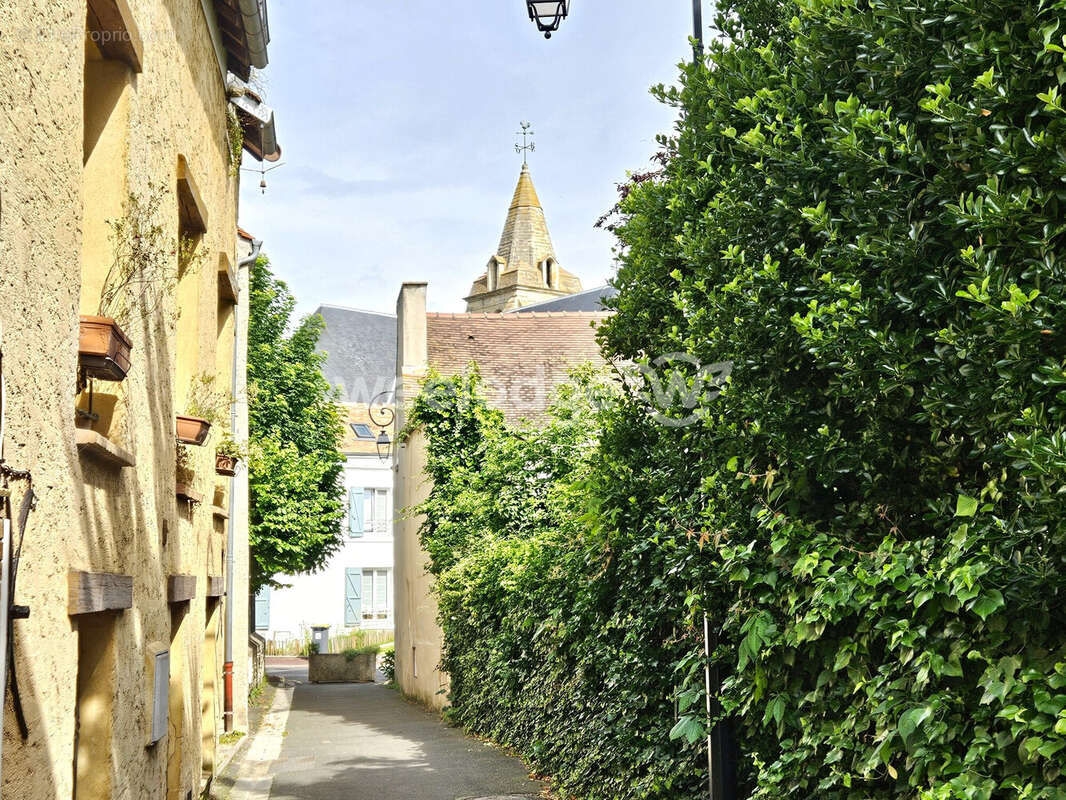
(548, 14)
(383, 419)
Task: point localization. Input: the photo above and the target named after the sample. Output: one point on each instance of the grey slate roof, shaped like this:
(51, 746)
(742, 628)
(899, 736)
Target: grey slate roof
(360, 348)
(588, 300)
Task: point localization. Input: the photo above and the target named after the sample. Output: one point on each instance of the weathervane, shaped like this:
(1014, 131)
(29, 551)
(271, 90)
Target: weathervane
(528, 145)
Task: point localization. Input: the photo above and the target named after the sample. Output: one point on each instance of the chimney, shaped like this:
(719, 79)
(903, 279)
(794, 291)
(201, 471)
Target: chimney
(412, 349)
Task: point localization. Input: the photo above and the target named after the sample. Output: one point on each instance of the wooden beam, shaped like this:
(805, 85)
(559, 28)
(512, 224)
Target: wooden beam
(192, 213)
(92, 444)
(112, 29)
(95, 592)
(227, 280)
(216, 586)
(181, 588)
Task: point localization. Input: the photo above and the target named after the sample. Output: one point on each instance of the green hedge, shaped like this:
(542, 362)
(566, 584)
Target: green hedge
(863, 209)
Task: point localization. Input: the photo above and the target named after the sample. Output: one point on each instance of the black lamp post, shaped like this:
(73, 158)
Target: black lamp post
(548, 14)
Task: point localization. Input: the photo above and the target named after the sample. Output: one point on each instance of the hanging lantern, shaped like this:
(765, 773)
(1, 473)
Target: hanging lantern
(548, 14)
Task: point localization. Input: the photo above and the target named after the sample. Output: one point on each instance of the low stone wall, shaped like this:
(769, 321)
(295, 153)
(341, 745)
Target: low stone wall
(256, 660)
(337, 668)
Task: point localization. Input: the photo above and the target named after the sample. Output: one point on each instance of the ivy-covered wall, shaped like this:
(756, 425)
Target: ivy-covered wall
(861, 209)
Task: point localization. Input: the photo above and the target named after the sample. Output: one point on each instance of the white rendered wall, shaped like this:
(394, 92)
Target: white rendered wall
(318, 599)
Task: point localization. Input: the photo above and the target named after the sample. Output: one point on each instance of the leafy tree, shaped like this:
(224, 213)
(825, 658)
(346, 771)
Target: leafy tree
(295, 431)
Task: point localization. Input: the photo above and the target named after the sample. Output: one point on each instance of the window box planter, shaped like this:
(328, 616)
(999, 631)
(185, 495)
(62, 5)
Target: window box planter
(103, 349)
(193, 430)
(225, 465)
(339, 668)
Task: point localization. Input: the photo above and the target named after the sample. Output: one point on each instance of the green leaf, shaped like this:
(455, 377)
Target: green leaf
(987, 603)
(911, 721)
(965, 506)
(688, 728)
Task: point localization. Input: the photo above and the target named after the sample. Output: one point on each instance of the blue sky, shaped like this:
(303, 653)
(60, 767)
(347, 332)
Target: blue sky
(397, 120)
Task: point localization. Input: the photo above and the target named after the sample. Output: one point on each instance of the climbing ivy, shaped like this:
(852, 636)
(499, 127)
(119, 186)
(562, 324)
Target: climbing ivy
(861, 209)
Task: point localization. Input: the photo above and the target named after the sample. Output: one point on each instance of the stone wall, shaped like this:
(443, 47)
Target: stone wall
(339, 668)
(93, 516)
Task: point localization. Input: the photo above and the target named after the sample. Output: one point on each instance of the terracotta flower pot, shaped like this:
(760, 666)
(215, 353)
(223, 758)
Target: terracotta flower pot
(192, 430)
(225, 465)
(103, 349)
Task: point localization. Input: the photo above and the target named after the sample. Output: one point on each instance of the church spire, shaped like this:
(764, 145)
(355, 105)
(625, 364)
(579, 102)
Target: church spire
(524, 269)
(525, 242)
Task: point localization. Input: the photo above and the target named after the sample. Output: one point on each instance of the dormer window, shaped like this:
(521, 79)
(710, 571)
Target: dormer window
(494, 274)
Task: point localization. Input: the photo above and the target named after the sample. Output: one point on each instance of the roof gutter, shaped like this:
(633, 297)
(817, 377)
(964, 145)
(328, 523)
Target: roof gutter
(256, 30)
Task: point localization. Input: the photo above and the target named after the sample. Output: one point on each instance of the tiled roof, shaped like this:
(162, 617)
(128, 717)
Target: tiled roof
(521, 357)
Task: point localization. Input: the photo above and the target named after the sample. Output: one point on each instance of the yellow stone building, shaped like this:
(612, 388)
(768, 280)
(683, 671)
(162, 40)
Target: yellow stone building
(121, 128)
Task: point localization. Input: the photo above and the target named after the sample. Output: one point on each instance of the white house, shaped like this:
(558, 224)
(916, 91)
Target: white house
(355, 588)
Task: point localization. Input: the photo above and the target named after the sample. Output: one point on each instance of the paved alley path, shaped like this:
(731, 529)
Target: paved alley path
(364, 742)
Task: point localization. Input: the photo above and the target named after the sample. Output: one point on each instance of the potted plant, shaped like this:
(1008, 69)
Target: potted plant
(227, 454)
(192, 430)
(103, 349)
(205, 407)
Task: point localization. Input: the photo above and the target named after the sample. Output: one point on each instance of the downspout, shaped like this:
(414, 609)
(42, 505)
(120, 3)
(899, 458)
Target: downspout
(231, 558)
(5, 565)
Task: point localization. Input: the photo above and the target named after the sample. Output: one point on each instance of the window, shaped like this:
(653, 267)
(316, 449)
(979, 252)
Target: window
(367, 595)
(362, 431)
(377, 602)
(377, 510)
(368, 512)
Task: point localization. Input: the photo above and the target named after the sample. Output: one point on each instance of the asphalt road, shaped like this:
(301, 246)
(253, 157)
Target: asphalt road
(365, 742)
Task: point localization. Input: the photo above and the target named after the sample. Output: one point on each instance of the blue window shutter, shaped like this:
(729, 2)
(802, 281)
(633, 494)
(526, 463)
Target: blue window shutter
(353, 602)
(262, 609)
(355, 513)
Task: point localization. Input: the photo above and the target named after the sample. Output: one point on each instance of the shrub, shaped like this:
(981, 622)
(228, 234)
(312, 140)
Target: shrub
(388, 664)
(862, 210)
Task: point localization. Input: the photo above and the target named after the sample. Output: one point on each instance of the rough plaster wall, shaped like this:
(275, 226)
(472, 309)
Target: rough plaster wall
(417, 672)
(40, 210)
(90, 516)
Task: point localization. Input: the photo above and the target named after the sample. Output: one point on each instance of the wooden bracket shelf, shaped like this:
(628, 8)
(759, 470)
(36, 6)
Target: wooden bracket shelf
(102, 449)
(181, 588)
(96, 592)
